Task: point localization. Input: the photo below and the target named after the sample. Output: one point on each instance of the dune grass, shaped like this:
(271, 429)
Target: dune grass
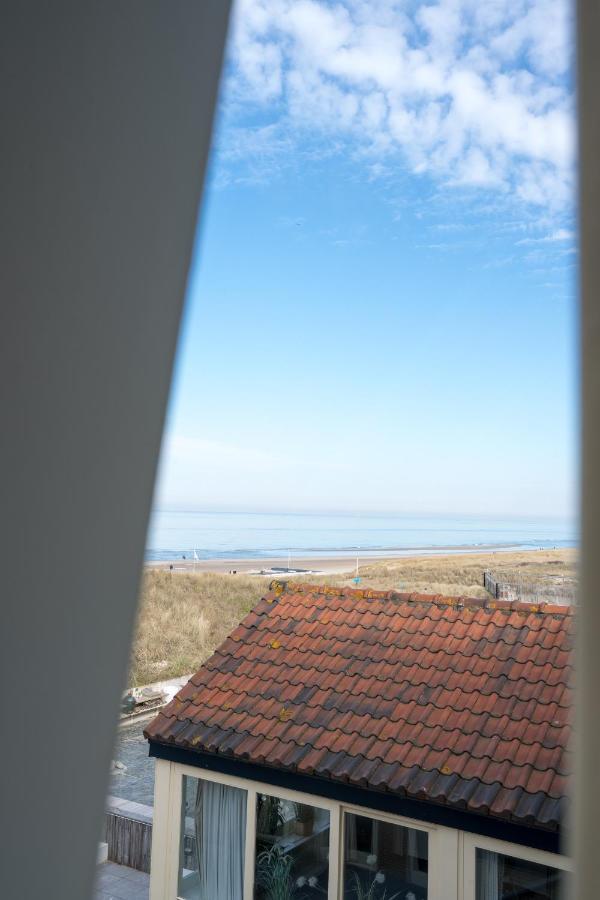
(462, 574)
(183, 617)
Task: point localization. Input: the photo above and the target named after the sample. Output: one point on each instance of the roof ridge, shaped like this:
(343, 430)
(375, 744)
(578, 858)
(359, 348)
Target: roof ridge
(277, 588)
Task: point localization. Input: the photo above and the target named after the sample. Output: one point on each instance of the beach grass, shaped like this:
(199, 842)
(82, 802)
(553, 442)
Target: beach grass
(183, 617)
(462, 574)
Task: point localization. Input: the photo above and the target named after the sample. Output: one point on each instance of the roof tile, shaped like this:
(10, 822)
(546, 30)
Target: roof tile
(451, 700)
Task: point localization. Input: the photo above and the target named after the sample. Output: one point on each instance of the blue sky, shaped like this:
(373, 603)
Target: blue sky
(381, 311)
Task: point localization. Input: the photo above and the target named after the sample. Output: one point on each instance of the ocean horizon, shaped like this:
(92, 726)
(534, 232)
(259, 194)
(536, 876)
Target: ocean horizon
(174, 534)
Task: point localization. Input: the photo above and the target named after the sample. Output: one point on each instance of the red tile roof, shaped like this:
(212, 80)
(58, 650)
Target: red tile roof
(455, 701)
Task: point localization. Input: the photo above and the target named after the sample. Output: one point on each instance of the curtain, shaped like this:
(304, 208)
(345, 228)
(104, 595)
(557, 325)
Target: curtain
(489, 876)
(412, 852)
(350, 829)
(405, 843)
(198, 824)
(398, 833)
(220, 817)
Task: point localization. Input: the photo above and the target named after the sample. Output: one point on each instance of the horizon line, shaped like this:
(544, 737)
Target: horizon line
(345, 512)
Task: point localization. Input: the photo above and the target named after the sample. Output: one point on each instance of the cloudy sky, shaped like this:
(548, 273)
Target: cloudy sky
(381, 311)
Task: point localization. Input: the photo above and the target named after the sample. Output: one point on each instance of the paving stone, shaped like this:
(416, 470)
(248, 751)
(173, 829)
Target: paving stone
(137, 782)
(107, 880)
(121, 883)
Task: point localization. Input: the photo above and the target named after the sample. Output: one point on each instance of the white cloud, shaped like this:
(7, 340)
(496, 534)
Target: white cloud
(471, 93)
(558, 235)
(543, 33)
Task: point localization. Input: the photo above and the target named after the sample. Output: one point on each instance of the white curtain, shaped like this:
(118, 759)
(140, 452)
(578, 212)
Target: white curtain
(489, 875)
(220, 817)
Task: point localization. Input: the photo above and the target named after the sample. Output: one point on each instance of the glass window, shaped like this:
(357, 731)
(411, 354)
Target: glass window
(292, 850)
(500, 877)
(383, 861)
(213, 838)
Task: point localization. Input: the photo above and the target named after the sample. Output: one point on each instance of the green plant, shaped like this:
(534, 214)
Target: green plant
(273, 874)
(371, 891)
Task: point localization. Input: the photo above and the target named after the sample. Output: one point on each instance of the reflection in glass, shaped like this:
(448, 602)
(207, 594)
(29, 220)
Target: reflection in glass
(213, 836)
(501, 877)
(292, 850)
(383, 861)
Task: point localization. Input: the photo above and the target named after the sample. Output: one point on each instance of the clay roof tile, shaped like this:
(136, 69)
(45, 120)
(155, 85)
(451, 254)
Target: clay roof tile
(446, 699)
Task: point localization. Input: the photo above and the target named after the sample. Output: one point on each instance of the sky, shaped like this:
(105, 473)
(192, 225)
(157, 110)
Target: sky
(381, 311)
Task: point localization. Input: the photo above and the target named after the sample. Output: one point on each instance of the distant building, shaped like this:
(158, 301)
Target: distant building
(341, 741)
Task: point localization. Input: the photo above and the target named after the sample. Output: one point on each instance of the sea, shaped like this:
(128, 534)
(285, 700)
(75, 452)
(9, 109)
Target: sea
(189, 533)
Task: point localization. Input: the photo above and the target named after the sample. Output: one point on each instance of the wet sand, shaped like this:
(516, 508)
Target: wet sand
(331, 565)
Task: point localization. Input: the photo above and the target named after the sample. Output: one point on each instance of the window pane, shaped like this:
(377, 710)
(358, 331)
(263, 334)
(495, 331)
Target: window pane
(502, 877)
(383, 860)
(213, 836)
(292, 850)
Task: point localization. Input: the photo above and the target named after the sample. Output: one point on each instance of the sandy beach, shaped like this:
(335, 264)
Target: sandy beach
(330, 565)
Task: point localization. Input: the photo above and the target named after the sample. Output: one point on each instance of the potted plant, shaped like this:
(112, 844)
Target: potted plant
(274, 877)
(273, 874)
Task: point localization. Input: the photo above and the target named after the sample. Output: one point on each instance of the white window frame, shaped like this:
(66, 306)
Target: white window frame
(473, 842)
(166, 842)
(442, 850)
(451, 852)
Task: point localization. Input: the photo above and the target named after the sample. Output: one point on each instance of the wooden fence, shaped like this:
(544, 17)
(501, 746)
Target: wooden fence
(558, 589)
(128, 833)
(501, 590)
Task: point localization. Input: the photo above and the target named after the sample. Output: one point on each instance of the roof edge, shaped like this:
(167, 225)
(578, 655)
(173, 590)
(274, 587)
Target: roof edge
(427, 811)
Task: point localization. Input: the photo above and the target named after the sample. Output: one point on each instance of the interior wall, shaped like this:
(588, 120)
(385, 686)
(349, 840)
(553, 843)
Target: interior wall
(106, 123)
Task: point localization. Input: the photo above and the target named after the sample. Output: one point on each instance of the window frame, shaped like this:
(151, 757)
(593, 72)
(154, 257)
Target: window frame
(473, 842)
(164, 885)
(442, 851)
(451, 852)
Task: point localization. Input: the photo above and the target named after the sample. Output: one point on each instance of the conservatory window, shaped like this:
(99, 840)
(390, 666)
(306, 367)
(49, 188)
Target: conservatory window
(500, 877)
(292, 850)
(384, 860)
(213, 838)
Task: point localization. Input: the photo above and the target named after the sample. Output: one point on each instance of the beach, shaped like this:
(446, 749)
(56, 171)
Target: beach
(331, 542)
(327, 565)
